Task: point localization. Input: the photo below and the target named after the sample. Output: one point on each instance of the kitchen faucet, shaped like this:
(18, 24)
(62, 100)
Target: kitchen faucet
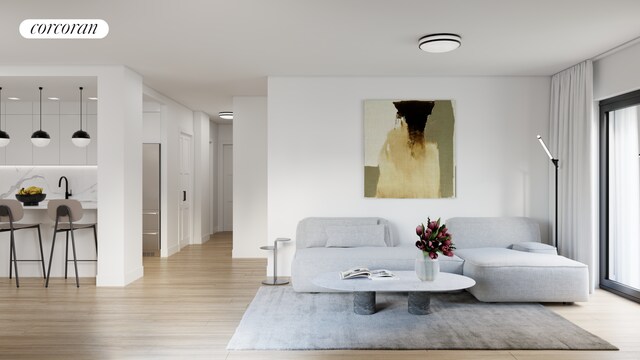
(67, 193)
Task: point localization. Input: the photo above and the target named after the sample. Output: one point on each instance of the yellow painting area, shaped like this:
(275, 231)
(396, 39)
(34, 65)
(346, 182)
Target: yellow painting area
(409, 149)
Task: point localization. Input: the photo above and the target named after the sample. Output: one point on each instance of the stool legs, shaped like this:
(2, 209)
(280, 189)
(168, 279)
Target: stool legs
(75, 258)
(66, 253)
(44, 273)
(53, 244)
(15, 262)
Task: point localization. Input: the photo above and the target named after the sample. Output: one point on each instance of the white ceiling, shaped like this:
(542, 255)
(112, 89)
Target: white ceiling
(203, 52)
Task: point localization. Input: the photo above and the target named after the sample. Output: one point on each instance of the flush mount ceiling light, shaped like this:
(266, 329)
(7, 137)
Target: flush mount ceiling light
(4, 137)
(439, 43)
(53, 98)
(13, 98)
(40, 138)
(92, 98)
(227, 115)
(80, 138)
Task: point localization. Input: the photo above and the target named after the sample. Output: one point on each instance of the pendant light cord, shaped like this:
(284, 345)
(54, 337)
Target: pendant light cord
(40, 107)
(80, 108)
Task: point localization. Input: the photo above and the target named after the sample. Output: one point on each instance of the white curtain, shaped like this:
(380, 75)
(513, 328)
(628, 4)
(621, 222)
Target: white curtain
(624, 197)
(574, 143)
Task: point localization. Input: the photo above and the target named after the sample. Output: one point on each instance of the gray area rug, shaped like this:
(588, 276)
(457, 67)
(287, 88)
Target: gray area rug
(280, 319)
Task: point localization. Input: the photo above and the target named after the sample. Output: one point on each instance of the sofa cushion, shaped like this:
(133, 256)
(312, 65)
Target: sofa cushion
(477, 232)
(535, 247)
(355, 236)
(311, 232)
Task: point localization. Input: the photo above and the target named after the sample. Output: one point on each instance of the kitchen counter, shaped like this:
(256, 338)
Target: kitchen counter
(27, 244)
(87, 205)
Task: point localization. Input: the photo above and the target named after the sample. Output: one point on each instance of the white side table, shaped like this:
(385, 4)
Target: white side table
(274, 280)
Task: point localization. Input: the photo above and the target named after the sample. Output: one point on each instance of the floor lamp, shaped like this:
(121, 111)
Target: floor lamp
(555, 163)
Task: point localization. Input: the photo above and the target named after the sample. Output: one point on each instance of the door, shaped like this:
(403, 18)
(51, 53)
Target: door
(227, 187)
(186, 181)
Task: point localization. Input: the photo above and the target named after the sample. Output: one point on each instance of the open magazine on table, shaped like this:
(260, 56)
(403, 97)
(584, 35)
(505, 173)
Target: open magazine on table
(363, 272)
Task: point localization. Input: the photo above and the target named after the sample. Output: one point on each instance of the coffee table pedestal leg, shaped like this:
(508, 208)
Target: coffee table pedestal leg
(419, 303)
(364, 302)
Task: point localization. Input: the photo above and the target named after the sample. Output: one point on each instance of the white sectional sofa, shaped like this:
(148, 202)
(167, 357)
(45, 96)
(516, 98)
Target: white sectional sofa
(337, 244)
(503, 255)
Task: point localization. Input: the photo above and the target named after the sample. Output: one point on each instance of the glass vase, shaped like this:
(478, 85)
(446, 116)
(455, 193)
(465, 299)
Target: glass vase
(427, 269)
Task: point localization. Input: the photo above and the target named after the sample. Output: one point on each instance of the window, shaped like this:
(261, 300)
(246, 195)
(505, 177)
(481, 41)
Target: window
(620, 195)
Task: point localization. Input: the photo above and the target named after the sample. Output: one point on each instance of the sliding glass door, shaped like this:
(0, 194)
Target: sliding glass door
(620, 195)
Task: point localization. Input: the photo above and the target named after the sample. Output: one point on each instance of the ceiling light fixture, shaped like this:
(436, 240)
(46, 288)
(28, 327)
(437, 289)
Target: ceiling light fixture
(80, 138)
(4, 137)
(40, 138)
(13, 98)
(92, 98)
(439, 43)
(227, 115)
(53, 98)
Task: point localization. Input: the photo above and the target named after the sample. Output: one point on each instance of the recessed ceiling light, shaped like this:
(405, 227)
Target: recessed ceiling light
(439, 43)
(13, 98)
(53, 98)
(227, 115)
(93, 98)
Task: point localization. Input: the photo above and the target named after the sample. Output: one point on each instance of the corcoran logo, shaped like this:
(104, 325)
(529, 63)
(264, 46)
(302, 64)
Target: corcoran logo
(64, 29)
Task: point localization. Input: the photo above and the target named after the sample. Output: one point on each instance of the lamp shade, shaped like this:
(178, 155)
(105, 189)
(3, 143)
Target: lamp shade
(80, 138)
(40, 138)
(4, 138)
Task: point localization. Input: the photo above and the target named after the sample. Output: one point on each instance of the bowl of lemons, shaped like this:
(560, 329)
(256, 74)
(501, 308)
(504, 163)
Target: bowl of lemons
(30, 196)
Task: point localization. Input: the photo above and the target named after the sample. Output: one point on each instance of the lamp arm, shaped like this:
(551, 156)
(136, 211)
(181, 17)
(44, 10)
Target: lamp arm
(546, 149)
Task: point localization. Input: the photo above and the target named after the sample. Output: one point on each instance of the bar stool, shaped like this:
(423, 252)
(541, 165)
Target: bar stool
(10, 211)
(66, 213)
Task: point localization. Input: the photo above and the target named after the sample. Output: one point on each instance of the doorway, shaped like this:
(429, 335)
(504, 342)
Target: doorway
(620, 195)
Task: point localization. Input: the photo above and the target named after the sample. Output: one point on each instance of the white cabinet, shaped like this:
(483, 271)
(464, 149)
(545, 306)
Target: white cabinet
(20, 150)
(50, 154)
(69, 153)
(60, 120)
(92, 149)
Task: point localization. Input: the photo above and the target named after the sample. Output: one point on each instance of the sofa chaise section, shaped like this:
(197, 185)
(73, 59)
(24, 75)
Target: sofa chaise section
(534, 273)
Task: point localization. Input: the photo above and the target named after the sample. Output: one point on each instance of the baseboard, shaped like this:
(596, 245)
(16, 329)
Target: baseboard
(128, 278)
(173, 249)
(205, 238)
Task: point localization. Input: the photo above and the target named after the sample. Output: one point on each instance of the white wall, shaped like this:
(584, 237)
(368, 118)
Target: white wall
(225, 137)
(617, 73)
(315, 152)
(249, 176)
(201, 178)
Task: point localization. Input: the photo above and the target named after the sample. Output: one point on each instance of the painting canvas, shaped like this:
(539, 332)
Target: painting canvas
(409, 149)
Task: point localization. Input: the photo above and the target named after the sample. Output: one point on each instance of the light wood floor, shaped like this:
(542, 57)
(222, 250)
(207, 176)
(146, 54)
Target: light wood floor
(188, 306)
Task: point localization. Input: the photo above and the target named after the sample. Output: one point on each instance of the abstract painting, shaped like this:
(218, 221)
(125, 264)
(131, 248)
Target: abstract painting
(409, 149)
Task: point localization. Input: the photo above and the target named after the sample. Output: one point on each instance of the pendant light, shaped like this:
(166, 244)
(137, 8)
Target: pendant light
(81, 138)
(4, 137)
(40, 138)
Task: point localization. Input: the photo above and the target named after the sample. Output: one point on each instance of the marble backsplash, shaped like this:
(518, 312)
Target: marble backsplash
(82, 181)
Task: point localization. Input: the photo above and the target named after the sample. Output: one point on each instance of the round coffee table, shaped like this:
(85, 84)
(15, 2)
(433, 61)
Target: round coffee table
(364, 289)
